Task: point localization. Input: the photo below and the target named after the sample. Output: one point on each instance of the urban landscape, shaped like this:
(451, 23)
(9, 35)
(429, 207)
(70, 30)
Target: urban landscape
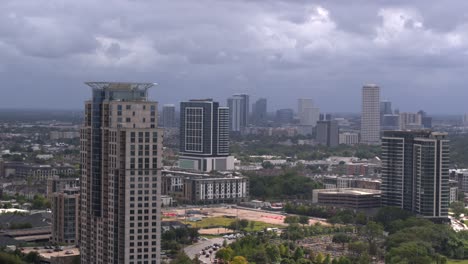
(305, 156)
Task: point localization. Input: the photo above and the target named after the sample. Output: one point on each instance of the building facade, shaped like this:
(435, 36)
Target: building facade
(239, 112)
(349, 138)
(370, 115)
(204, 136)
(415, 172)
(121, 152)
(199, 188)
(259, 111)
(327, 133)
(65, 216)
(168, 116)
(308, 114)
(352, 198)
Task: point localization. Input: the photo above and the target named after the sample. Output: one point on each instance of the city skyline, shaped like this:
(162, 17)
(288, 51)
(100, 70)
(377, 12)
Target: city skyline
(281, 50)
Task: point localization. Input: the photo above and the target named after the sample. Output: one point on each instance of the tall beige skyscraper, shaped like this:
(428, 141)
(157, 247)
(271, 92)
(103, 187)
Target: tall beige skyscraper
(121, 152)
(370, 116)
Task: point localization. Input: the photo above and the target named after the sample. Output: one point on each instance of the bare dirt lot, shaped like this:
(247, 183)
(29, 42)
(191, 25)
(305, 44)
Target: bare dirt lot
(241, 213)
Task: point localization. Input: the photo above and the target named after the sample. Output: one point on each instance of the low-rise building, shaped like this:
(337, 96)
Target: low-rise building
(348, 138)
(352, 198)
(199, 188)
(37, 171)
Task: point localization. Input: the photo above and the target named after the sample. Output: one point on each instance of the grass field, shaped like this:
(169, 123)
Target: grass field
(225, 222)
(453, 261)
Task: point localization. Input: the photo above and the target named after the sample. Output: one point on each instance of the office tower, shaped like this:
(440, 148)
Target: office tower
(391, 122)
(386, 108)
(327, 133)
(65, 216)
(259, 111)
(415, 172)
(426, 121)
(284, 116)
(168, 116)
(238, 106)
(370, 116)
(204, 136)
(307, 113)
(121, 152)
(409, 121)
(325, 117)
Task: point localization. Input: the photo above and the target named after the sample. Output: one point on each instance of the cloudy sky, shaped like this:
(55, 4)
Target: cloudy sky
(417, 51)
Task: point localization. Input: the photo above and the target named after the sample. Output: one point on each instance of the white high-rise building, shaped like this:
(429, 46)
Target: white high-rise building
(307, 113)
(370, 116)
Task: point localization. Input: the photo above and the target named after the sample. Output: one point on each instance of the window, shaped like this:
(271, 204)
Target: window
(128, 107)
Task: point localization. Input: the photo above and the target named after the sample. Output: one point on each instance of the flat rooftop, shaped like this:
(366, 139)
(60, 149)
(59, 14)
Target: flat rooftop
(49, 253)
(353, 191)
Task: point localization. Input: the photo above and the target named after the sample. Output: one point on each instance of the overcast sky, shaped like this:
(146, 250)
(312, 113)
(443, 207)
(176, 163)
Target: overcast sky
(417, 51)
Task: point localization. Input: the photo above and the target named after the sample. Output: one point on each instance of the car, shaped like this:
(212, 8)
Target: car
(68, 252)
(207, 255)
(50, 251)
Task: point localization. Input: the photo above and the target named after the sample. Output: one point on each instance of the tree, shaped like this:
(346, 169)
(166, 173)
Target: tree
(298, 253)
(387, 215)
(458, 208)
(182, 258)
(273, 253)
(304, 220)
(6, 258)
(291, 219)
(410, 252)
(33, 257)
(239, 260)
(371, 232)
(341, 238)
(252, 225)
(225, 254)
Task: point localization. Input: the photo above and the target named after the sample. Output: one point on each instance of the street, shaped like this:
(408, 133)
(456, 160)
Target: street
(192, 250)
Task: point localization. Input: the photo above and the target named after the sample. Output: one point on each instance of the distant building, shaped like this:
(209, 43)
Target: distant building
(259, 111)
(426, 120)
(238, 106)
(453, 191)
(370, 115)
(391, 122)
(465, 120)
(327, 133)
(284, 116)
(410, 121)
(348, 138)
(37, 171)
(307, 113)
(204, 136)
(352, 198)
(325, 117)
(55, 135)
(198, 188)
(415, 172)
(65, 216)
(168, 116)
(385, 109)
(56, 184)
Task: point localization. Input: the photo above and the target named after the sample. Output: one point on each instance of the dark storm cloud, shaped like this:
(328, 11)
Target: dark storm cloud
(210, 48)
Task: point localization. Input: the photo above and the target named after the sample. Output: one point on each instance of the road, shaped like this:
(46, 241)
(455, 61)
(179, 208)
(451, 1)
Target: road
(192, 250)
